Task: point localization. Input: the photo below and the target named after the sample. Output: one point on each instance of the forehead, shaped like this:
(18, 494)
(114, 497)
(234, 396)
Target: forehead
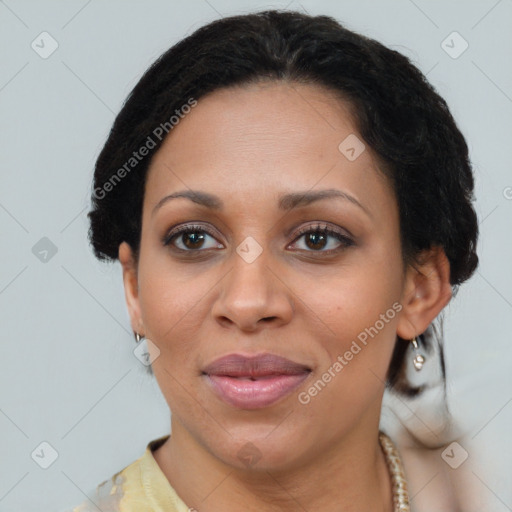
(244, 142)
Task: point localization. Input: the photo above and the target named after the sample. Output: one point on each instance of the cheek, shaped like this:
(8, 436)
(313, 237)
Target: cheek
(170, 307)
(359, 309)
(354, 298)
(356, 352)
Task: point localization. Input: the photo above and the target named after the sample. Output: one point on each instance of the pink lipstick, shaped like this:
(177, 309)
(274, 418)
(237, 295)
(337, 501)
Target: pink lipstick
(254, 382)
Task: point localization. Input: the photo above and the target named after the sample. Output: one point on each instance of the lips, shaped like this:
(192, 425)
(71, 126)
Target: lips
(235, 365)
(254, 382)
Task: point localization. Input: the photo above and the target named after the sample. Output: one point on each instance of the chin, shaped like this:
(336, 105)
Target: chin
(262, 450)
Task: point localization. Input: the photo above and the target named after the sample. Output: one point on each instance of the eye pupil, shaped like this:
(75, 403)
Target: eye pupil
(196, 240)
(316, 237)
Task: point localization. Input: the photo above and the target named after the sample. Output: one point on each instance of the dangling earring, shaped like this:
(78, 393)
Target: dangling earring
(419, 359)
(138, 337)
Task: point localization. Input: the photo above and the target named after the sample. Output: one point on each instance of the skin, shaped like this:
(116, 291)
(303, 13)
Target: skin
(248, 145)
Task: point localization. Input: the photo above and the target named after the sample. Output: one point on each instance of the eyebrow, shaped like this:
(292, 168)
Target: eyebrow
(285, 202)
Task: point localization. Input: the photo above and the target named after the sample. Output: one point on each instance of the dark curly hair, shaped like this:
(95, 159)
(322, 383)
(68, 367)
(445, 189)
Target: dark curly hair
(397, 112)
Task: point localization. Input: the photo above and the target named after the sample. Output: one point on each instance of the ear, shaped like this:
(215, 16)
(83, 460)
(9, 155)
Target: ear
(426, 292)
(131, 286)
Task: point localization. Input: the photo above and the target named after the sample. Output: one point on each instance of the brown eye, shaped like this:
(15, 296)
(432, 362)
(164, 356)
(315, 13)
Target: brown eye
(191, 238)
(316, 239)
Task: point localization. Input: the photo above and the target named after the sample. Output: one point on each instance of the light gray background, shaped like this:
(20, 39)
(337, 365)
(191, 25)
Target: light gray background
(68, 375)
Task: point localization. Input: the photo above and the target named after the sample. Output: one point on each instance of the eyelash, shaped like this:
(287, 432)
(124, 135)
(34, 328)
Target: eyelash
(326, 231)
(318, 229)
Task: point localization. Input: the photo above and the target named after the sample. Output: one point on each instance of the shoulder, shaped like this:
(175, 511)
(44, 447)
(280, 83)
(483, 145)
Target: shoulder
(107, 495)
(129, 486)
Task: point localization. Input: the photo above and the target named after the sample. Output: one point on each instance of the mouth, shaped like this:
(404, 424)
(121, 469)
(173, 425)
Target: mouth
(254, 382)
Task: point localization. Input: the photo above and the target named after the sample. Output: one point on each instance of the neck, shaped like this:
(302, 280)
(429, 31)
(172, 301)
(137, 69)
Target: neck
(351, 476)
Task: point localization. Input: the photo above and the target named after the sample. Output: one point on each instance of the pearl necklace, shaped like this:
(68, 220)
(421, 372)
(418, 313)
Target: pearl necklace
(400, 493)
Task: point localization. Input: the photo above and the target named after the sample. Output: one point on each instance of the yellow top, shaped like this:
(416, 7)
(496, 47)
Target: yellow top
(139, 487)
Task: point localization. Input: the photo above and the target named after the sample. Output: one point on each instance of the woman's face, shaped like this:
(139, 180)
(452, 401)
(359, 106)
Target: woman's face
(252, 278)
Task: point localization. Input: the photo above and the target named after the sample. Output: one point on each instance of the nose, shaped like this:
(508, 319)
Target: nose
(253, 296)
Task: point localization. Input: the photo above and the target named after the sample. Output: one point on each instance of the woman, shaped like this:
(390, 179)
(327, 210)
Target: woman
(291, 204)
